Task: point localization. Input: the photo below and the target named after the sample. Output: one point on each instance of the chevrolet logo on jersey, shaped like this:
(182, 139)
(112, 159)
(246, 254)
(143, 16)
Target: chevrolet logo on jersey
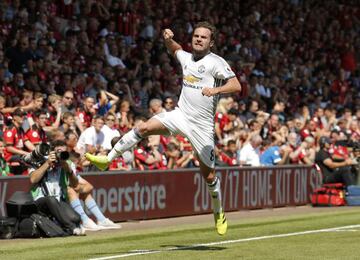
(192, 79)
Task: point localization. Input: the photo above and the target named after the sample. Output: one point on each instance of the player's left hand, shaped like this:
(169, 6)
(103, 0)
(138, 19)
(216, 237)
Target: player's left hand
(208, 91)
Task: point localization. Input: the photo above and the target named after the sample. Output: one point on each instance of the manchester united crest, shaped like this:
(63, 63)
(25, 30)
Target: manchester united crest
(201, 69)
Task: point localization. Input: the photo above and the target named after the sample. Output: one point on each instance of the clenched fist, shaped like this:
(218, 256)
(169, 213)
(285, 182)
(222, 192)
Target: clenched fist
(168, 34)
(209, 91)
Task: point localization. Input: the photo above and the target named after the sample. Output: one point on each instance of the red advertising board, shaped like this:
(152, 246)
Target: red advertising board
(145, 195)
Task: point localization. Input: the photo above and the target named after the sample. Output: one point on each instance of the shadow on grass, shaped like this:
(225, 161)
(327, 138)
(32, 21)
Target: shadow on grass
(193, 247)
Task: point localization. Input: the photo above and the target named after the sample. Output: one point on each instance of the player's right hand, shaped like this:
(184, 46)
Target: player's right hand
(168, 34)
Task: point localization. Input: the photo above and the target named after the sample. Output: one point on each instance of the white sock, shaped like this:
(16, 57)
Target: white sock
(215, 192)
(130, 139)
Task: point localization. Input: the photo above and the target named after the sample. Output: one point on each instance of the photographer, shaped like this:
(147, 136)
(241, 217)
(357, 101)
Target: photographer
(333, 171)
(51, 178)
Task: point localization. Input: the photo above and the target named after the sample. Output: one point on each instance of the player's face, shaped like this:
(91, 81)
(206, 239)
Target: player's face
(201, 41)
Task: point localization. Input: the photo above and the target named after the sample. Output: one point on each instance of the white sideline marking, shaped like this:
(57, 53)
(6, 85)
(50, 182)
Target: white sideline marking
(147, 252)
(347, 230)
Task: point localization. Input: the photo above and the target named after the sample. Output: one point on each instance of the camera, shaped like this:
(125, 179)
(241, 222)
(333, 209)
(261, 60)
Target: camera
(40, 154)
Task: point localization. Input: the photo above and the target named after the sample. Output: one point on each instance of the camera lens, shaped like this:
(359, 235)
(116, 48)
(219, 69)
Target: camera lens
(62, 156)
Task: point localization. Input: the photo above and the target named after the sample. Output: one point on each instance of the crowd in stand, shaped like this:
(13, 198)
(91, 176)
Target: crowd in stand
(88, 71)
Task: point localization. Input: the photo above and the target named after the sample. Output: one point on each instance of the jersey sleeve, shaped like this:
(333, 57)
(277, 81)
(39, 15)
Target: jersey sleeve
(182, 56)
(222, 69)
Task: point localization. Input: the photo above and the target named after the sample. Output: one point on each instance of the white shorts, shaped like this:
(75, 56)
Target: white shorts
(202, 140)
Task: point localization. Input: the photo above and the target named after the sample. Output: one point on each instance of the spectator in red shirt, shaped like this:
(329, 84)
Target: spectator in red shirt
(303, 153)
(147, 157)
(310, 129)
(16, 142)
(124, 116)
(85, 114)
(338, 150)
(229, 156)
(36, 134)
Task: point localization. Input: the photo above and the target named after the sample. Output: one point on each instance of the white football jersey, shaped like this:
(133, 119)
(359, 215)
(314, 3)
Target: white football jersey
(210, 71)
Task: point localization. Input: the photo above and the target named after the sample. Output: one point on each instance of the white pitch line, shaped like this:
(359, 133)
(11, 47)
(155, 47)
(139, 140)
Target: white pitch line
(148, 252)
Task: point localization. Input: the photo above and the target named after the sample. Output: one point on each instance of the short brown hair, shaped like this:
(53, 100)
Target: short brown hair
(67, 114)
(38, 95)
(209, 26)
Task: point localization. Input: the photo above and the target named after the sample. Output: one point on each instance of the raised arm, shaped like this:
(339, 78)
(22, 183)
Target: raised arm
(113, 98)
(170, 44)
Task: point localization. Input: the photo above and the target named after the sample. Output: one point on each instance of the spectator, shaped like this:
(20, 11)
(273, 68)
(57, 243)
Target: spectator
(176, 158)
(155, 107)
(92, 139)
(109, 130)
(271, 126)
(54, 110)
(85, 113)
(68, 102)
(27, 95)
(301, 152)
(71, 139)
(37, 132)
(169, 103)
(229, 156)
(332, 171)
(252, 110)
(124, 116)
(249, 155)
(104, 104)
(147, 156)
(16, 142)
(68, 120)
(35, 105)
(273, 154)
